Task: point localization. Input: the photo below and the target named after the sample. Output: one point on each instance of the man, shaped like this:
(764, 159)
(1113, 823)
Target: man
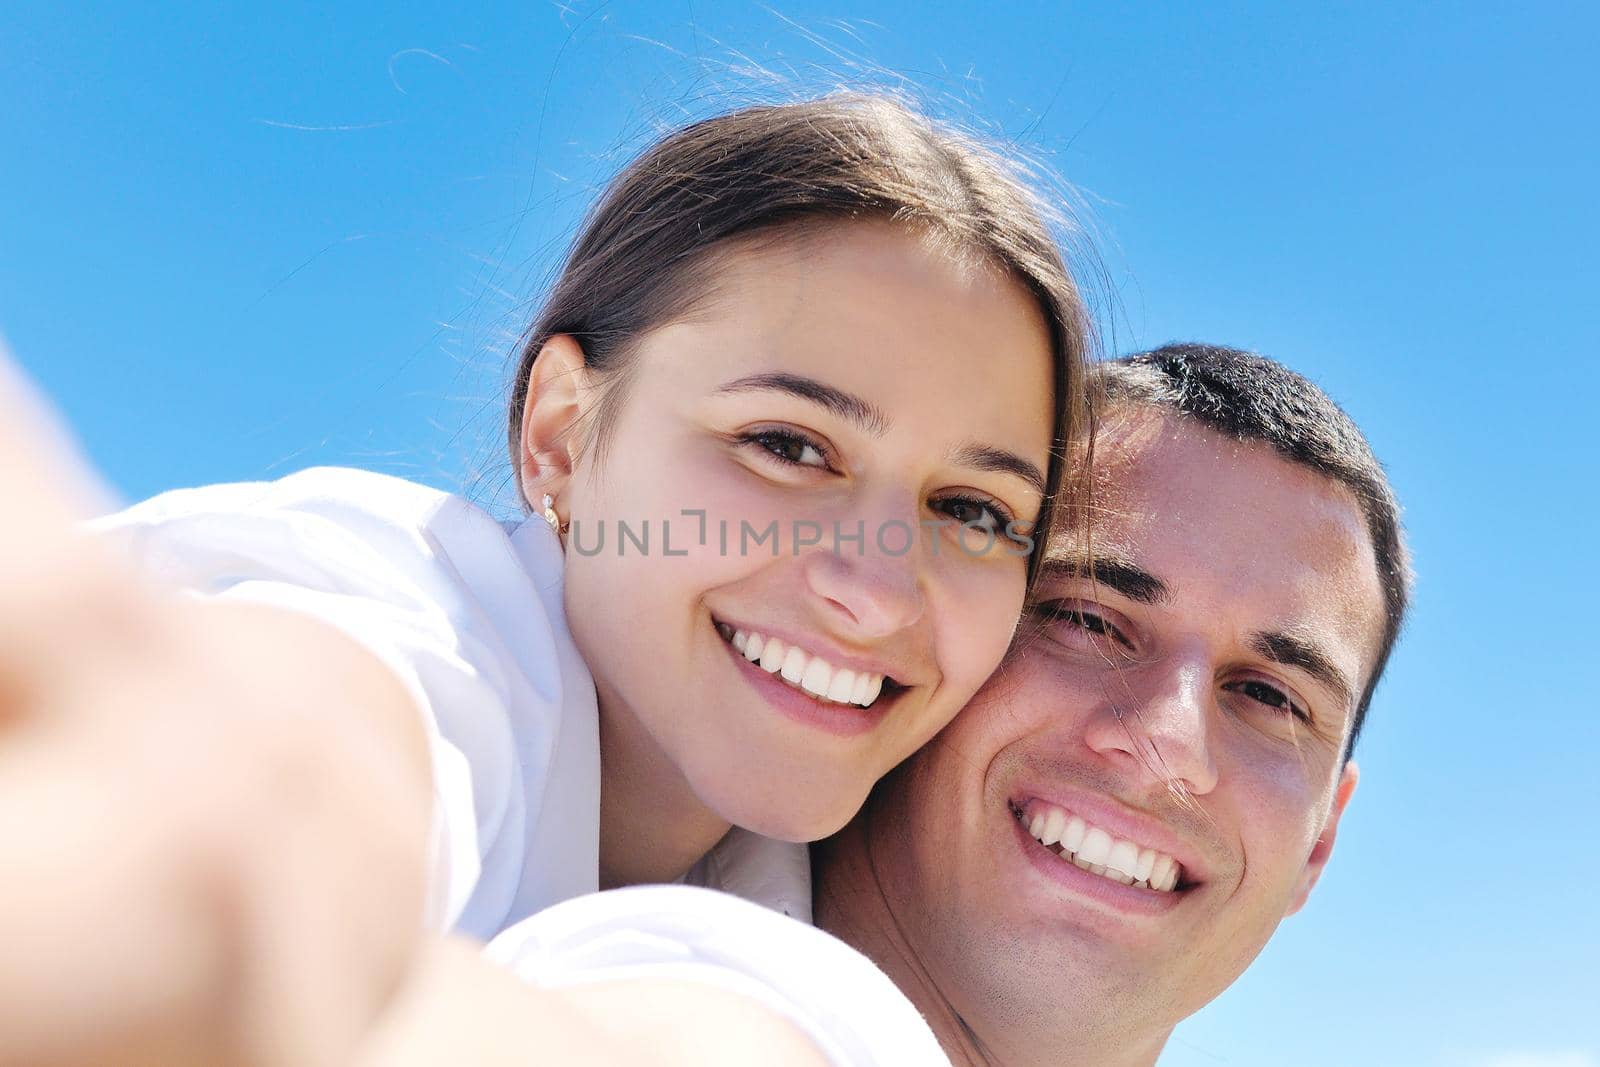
(1192, 696)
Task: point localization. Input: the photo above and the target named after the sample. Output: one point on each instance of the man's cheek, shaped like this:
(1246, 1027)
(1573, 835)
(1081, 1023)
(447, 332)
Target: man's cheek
(1278, 864)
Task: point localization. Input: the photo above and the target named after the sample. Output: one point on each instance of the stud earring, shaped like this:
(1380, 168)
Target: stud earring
(550, 515)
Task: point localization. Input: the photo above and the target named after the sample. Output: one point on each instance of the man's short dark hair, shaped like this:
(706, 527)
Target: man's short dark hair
(1248, 397)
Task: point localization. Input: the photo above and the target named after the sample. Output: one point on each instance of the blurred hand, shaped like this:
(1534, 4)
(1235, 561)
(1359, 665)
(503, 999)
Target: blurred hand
(213, 818)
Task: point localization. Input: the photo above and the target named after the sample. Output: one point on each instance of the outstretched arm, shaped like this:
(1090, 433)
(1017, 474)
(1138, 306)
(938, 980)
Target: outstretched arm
(658, 975)
(214, 816)
(463, 1008)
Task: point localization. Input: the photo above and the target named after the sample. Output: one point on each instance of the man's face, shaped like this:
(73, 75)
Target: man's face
(1191, 701)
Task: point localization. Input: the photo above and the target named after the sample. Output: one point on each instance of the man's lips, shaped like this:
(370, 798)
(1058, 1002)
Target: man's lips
(1112, 896)
(1117, 821)
(1092, 848)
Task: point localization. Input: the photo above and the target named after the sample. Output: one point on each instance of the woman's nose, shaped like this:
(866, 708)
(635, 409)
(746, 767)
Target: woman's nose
(872, 593)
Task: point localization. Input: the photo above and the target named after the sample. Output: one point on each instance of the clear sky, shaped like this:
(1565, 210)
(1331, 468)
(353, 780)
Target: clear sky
(235, 244)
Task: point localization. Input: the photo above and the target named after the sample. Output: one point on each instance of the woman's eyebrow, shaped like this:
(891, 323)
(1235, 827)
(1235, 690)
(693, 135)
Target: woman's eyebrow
(999, 461)
(871, 419)
(862, 413)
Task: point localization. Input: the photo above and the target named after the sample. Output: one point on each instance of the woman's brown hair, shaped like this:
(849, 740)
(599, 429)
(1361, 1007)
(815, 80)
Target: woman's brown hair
(642, 257)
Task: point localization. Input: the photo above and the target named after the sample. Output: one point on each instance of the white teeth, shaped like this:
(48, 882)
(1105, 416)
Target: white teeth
(1072, 836)
(867, 688)
(1096, 846)
(1053, 825)
(859, 694)
(811, 674)
(794, 666)
(1098, 852)
(1147, 862)
(817, 677)
(1164, 874)
(1124, 858)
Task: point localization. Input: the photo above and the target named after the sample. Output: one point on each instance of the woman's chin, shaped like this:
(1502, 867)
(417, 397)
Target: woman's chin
(780, 815)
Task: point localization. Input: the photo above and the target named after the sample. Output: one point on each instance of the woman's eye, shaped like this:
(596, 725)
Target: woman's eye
(789, 447)
(1269, 695)
(978, 514)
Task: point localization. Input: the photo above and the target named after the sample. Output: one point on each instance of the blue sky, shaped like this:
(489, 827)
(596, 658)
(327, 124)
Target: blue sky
(235, 244)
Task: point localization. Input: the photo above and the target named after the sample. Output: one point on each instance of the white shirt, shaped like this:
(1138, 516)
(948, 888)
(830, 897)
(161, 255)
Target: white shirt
(467, 612)
(849, 1008)
(774, 874)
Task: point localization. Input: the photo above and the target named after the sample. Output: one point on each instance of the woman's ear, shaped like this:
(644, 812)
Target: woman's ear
(556, 401)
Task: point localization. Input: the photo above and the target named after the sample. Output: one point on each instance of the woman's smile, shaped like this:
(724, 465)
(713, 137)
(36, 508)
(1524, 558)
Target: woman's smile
(807, 686)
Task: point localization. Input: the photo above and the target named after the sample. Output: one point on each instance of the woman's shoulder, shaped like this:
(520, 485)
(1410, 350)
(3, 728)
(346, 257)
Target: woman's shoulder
(335, 510)
(369, 540)
(347, 489)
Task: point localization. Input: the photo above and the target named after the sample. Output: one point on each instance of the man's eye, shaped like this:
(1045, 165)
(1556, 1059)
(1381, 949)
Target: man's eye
(1270, 695)
(1077, 617)
(789, 447)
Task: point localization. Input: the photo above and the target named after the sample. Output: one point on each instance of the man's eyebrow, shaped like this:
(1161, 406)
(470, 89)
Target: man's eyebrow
(1123, 576)
(1292, 651)
(999, 461)
(864, 414)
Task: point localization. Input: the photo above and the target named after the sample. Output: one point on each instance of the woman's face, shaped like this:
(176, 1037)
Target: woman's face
(792, 448)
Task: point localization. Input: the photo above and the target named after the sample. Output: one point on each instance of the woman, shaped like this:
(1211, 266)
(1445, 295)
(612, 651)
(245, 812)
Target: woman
(830, 313)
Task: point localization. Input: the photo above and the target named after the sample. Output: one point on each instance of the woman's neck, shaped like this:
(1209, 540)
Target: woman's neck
(653, 827)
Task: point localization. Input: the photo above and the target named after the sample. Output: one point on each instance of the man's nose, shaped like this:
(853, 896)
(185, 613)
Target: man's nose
(1156, 719)
(870, 594)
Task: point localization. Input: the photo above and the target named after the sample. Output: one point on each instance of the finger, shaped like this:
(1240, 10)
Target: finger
(48, 569)
(40, 464)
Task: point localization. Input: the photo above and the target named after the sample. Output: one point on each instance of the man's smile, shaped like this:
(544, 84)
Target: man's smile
(1118, 858)
(1098, 851)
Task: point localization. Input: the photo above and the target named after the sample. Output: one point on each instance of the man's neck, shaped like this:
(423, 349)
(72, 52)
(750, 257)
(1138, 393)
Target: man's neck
(850, 903)
(653, 827)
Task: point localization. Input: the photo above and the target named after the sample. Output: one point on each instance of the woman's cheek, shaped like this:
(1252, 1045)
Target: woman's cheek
(981, 606)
